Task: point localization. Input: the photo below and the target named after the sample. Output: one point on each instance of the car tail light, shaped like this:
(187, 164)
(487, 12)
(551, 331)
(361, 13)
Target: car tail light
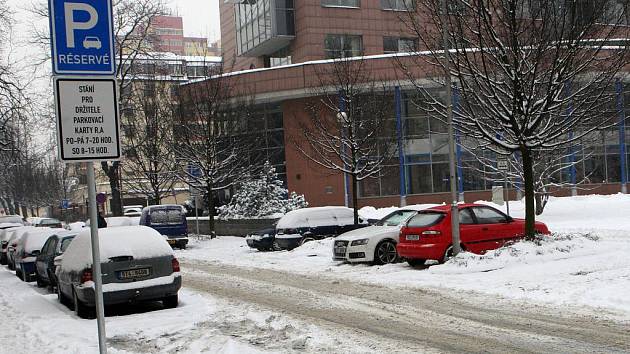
(175, 264)
(431, 232)
(86, 276)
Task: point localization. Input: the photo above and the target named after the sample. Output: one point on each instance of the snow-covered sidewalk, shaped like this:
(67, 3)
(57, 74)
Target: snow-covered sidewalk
(587, 264)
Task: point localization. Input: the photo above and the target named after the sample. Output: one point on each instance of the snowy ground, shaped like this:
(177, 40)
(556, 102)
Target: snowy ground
(586, 264)
(33, 320)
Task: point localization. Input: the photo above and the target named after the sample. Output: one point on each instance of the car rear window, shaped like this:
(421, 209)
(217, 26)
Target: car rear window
(166, 217)
(424, 219)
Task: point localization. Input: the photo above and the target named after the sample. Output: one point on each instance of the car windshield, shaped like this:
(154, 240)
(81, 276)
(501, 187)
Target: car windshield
(424, 219)
(166, 216)
(396, 218)
(65, 243)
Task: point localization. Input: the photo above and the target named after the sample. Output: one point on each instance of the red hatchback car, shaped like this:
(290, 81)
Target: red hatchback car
(482, 228)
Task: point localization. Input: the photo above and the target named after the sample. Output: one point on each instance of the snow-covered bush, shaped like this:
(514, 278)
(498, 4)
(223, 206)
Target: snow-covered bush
(262, 196)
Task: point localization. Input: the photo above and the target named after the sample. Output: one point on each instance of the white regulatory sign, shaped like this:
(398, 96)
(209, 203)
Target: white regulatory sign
(502, 164)
(87, 113)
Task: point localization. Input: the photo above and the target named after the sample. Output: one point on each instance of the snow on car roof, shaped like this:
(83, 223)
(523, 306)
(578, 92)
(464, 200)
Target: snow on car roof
(19, 232)
(118, 221)
(34, 239)
(6, 225)
(140, 242)
(7, 233)
(315, 216)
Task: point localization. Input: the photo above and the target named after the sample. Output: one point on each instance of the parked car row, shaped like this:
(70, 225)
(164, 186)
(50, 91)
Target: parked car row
(416, 233)
(137, 263)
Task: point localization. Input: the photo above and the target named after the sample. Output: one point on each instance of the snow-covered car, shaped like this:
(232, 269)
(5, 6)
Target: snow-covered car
(5, 233)
(12, 240)
(28, 247)
(376, 243)
(118, 221)
(11, 219)
(263, 240)
(137, 264)
(44, 222)
(132, 211)
(303, 225)
(45, 261)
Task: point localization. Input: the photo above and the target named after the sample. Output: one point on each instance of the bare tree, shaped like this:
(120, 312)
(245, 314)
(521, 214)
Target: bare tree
(350, 128)
(150, 161)
(519, 64)
(213, 143)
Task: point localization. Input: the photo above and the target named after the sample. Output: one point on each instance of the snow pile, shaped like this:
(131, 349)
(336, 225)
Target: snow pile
(140, 242)
(262, 197)
(542, 248)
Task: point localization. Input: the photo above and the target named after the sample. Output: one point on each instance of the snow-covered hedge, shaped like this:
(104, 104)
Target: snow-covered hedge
(262, 197)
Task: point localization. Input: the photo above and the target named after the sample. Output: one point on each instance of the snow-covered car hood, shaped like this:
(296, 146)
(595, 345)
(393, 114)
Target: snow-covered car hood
(369, 232)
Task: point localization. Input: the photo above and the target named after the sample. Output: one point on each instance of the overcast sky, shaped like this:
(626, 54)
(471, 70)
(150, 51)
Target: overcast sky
(201, 17)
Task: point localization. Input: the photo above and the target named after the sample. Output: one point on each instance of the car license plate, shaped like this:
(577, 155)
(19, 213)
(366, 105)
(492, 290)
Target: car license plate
(413, 237)
(134, 273)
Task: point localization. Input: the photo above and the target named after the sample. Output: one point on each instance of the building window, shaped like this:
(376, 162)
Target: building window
(398, 5)
(343, 46)
(399, 45)
(341, 3)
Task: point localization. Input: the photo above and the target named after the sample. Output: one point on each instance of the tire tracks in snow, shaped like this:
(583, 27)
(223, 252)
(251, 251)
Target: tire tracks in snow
(410, 319)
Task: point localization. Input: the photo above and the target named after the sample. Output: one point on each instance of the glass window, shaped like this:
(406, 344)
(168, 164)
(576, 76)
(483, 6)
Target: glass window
(395, 218)
(441, 177)
(486, 215)
(65, 243)
(424, 219)
(343, 46)
(390, 180)
(400, 5)
(399, 45)
(369, 187)
(419, 179)
(465, 217)
(341, 3)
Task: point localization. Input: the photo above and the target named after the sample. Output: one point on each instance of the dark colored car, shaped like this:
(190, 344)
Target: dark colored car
(28, 248)
(13, 240)
(137, 264)
(45, 261)
(482, 228)
(169, 221)
(303, 225)
(263, 240)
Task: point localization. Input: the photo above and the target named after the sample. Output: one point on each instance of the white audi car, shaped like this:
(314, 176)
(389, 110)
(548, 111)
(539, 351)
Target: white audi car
(377, 243)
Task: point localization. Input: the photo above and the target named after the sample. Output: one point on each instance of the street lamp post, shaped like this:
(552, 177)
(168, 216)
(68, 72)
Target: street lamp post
(451, 132)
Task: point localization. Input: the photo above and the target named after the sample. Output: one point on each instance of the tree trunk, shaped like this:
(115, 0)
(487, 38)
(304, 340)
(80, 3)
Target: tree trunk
(530, 212)
(24, 211)
(113, 176)
(210, 210)
(355, 199)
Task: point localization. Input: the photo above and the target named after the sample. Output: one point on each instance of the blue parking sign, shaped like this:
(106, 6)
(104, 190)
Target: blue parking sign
(82, 37)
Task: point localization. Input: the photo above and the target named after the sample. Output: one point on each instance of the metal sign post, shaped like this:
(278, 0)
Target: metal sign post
(96, 259)
(82, 43)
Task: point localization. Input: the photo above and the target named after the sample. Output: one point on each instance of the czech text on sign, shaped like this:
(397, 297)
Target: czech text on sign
(502, 164)
(88, 119)
(82, 37)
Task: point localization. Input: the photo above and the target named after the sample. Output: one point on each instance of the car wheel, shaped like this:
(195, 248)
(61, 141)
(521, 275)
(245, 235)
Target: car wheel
(61, 297)
(385, 253)
(447, 255)
(275, 246)
(40, 282)
(18, 273)
(416, 262)
(170, 302)
(81, 309)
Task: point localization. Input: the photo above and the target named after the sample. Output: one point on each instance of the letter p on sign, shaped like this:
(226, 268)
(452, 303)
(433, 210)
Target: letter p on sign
(72, 25)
